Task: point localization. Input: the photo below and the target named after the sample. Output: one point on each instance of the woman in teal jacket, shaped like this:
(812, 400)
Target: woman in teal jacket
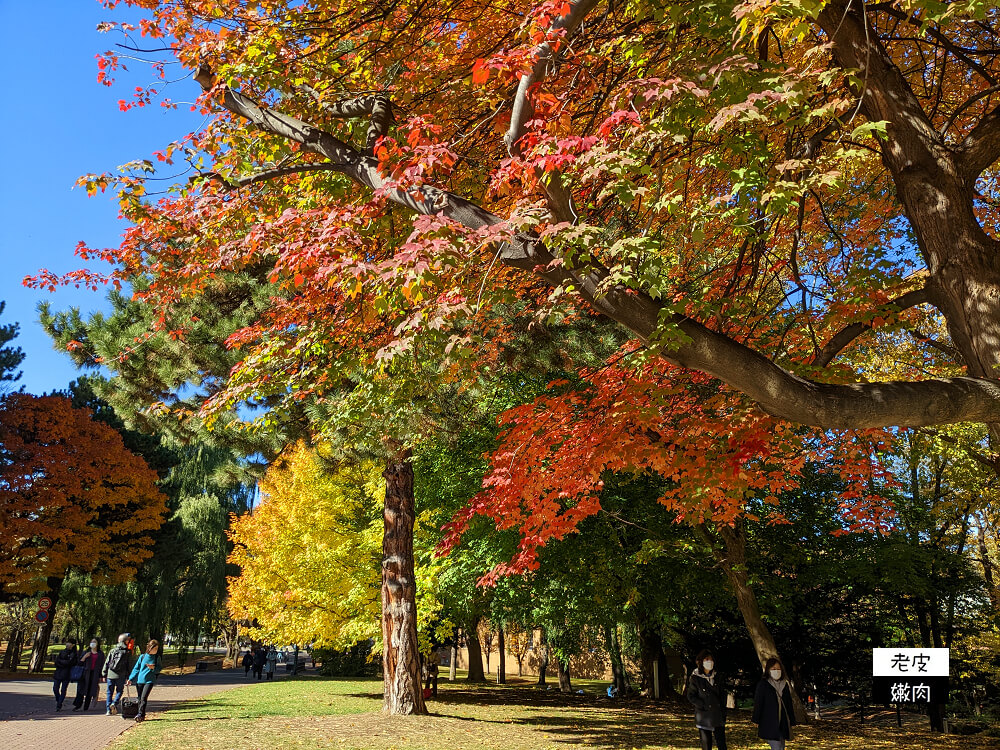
(144, 673)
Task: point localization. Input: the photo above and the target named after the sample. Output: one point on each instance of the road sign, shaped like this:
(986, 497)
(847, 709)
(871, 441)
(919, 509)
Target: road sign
(910, 675)
(41, 615)
(45, 603)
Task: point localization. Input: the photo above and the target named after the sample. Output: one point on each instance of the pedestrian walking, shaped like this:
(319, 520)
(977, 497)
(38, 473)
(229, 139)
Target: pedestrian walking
(66, 661)
(271, 662)
(773, 711)
(89, 683)
(259, 657)
(116, 669)
(247, 663)
(707, 693)
(144, 673)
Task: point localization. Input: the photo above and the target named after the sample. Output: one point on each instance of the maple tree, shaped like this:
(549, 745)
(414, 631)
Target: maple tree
(693, 181)
(73, 498)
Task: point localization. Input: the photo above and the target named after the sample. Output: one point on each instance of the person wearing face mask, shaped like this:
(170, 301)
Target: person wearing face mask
(89, 684)
(707, 694)
(773, 712)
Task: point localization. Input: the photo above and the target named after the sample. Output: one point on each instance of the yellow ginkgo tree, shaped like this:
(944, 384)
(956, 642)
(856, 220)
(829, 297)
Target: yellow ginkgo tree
(310, 554)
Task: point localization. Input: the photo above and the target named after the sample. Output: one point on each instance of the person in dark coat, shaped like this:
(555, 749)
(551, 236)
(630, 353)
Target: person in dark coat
(773, 712)
(90, 683)
(247, 663)
(65, 661)
(707, 693)
(259, 658)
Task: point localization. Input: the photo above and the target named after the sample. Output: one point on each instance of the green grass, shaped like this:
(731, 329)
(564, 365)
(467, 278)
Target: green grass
(315, 712)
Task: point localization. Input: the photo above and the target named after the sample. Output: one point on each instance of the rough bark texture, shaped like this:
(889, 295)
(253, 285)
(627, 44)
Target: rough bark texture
(475, 649)
(400, 653)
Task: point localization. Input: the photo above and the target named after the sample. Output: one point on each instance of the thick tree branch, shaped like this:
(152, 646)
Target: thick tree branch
(374, 106)
(544, 56)
(981, 147)
(776, 390)
(840, 341)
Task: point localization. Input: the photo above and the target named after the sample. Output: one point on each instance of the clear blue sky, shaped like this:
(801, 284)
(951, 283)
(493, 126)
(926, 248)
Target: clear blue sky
(58, 123)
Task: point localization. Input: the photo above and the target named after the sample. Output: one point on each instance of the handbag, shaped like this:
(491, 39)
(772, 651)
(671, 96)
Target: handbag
(129, 707)
(76, 673)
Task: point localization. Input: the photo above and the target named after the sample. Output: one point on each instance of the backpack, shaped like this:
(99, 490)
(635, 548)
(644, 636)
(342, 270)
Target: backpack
(116, 660)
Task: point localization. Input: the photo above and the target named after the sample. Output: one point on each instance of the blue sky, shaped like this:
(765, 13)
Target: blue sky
(58, 123)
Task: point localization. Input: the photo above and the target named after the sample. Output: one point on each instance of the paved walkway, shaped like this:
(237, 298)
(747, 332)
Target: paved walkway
(28, 720)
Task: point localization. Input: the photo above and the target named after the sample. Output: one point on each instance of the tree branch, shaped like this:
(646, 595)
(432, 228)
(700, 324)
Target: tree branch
(776, 390)
(376, 107)
(981, 147)
(266, 175)
(544, 55)
(840, 341)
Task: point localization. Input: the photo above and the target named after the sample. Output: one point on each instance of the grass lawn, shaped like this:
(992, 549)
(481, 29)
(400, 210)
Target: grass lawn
(314, 712)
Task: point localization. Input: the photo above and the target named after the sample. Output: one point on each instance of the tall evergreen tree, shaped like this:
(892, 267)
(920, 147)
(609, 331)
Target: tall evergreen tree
(10, 356)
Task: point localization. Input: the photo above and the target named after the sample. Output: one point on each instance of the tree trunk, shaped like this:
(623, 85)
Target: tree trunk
(563, 670)
(611, 642)
(40, 647)
(650, 653)
(992, 589)
(733, 561)
(502, 657)
(400, 652)
(12, 657)
(452, 663)
(231, 633)
(475, 650)
(544, 664)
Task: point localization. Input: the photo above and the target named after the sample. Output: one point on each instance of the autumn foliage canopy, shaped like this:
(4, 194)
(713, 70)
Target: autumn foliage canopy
(767, 196)
(71, 496)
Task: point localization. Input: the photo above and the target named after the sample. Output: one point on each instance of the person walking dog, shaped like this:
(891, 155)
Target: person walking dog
(144, 673)
(707, 694)
(773, 711)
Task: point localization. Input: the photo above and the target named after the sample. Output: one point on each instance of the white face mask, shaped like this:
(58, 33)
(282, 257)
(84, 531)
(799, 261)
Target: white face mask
(775, 674)
(708, 665)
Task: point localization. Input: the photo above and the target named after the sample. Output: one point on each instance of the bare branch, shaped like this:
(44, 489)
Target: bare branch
(840, 342)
